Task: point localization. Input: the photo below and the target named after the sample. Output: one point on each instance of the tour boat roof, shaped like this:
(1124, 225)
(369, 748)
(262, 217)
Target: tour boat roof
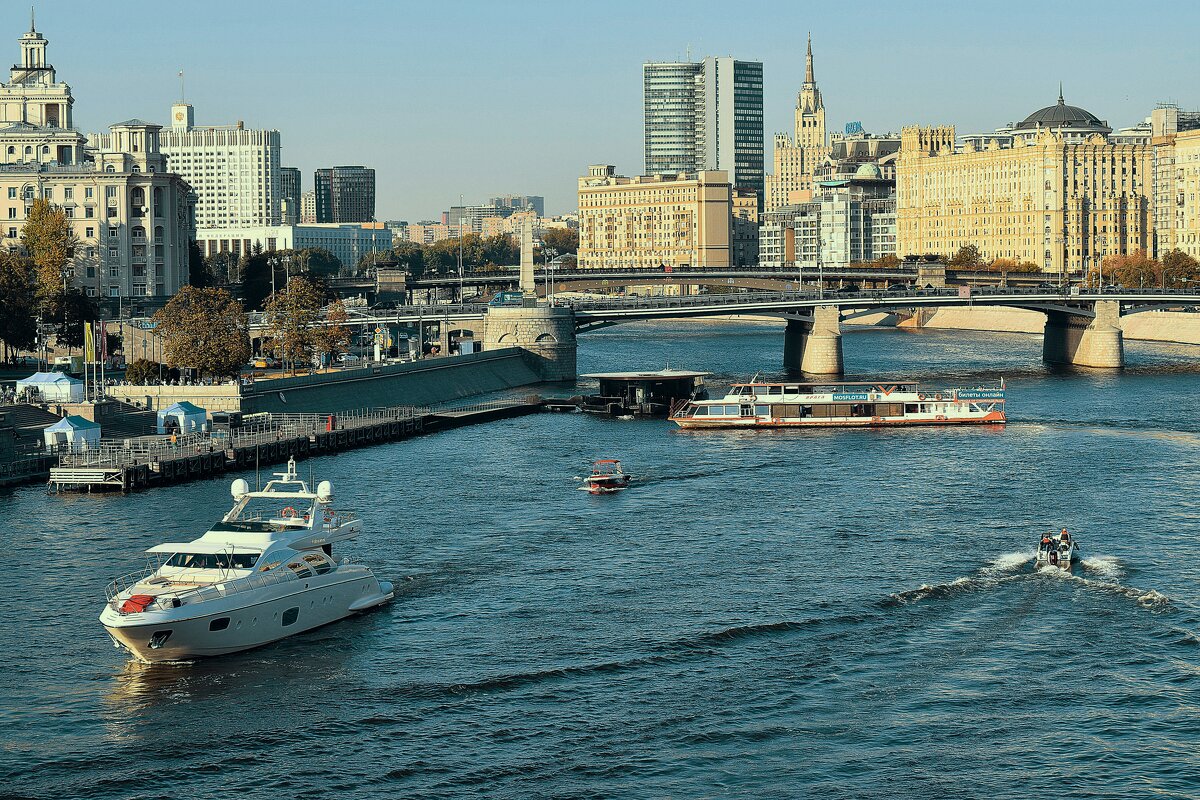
(202, 547)
(635, 376)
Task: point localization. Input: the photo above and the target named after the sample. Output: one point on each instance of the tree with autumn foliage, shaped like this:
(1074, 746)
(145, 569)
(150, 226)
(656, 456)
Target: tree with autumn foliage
(50, 241)
(206, 330)
(1012, 265)
(291, 316)
(333, 338)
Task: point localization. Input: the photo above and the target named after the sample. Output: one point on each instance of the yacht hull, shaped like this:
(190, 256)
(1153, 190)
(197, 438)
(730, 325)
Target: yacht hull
(244, 624)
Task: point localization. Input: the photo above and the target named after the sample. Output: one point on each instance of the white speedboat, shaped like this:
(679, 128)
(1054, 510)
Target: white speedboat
(265, 571)
(1057, 550)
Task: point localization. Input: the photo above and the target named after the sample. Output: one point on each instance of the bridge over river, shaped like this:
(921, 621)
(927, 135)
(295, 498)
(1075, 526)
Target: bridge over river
(1082, 325)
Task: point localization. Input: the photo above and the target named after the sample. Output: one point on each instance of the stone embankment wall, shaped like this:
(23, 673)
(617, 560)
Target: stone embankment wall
(1151, 326)
(419, 383)
(425, 382)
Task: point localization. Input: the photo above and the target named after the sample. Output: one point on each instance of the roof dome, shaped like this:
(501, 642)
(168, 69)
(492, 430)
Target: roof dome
(1062, 115)
(869, 171)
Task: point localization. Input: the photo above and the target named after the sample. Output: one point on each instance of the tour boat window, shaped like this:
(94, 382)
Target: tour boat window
(290, 616)
(219, 624)
(911, 408)
(212, 560)
(762, 411)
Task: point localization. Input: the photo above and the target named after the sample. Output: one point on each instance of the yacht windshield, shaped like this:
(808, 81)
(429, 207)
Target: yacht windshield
(212, 560)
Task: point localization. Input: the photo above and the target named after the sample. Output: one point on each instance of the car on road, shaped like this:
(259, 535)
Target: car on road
(898, 288)
(267, 363)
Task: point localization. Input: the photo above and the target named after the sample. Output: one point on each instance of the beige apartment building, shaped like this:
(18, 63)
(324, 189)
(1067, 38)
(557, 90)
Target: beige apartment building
(1060, 194)
(652, 221)
(1176, 143)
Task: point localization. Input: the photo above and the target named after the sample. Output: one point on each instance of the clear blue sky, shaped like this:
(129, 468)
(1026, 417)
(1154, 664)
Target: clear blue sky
(485, 98)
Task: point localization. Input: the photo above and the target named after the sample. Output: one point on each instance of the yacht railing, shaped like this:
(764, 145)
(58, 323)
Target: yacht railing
(193, 594)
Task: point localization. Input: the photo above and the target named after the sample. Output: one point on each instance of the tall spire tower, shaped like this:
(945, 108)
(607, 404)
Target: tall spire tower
(810, 108)
(798, 159)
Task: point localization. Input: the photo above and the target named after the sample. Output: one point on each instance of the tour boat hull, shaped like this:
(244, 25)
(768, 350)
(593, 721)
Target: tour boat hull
(243, 622)
(991, 418)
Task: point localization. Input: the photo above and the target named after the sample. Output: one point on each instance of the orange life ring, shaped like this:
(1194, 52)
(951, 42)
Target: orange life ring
(920, 397)
(288, 512)
(329, 515)
(937, 396)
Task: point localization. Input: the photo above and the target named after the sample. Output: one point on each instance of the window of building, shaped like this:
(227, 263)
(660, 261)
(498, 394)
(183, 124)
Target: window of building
(91, 272)
(68, 193)
(12, 193)
(114, 291)
(12, 233)
(112, 212)
(70, 212)
(89, 212)
(87, 193)
(110, 192)
(12, 213)
(112, 253)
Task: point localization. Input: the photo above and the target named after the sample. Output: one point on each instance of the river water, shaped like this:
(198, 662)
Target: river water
(770, 614)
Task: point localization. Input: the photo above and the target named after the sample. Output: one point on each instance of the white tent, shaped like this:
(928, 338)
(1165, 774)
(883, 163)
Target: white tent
(52, 387)
(182, 417)
(75, 432)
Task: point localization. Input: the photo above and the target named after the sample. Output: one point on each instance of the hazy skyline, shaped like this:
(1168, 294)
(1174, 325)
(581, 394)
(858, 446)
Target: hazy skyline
(518, 99)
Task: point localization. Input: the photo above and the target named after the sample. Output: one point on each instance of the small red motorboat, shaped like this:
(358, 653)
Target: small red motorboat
(607, 477)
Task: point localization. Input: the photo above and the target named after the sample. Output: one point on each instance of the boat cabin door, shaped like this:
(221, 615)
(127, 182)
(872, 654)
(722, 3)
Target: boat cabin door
(747, 411)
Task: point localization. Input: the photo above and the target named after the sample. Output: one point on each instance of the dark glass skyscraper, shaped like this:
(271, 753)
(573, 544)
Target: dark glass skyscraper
(345, 194)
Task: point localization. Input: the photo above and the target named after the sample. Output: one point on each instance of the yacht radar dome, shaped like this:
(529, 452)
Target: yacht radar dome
(239, 488)
(325, 491)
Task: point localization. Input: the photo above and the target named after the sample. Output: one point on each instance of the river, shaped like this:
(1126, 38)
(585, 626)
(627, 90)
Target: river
(765, 614)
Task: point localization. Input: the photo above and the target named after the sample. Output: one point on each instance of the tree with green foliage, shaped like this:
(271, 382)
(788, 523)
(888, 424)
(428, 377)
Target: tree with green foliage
(562, 240)
(142, 371)
(205, 330)
(1178, 269)
(968, 257)
(291, 314)
(68, 313)
(198, 274)
(18, 319)
(50, 241)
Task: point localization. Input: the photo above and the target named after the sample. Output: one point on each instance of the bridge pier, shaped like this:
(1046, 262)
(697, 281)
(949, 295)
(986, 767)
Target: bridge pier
(815, 346)
(546, 334)
(1084, 341)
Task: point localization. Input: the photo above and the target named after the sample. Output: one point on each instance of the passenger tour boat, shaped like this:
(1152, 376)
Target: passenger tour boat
(265, 571)
(844, 404)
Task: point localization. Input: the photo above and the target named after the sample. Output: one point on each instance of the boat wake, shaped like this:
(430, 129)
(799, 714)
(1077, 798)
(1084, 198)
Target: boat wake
(1108, 573)
(1004, 569)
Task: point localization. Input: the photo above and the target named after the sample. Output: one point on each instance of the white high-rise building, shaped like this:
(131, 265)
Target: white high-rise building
(235, 172)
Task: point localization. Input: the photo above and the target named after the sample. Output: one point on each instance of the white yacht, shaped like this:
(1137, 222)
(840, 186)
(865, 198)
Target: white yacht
(265, 571)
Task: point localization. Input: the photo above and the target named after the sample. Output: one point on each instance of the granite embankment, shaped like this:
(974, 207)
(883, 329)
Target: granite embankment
(1150, 326)
(419, 383)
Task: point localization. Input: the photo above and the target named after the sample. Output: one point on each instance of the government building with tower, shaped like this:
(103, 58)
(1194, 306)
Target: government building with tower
(133, 217)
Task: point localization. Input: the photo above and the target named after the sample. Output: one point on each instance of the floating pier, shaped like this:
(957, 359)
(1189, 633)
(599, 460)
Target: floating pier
(142, 462)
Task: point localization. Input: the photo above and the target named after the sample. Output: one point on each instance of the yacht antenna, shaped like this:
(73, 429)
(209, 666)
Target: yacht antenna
(257, 480)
